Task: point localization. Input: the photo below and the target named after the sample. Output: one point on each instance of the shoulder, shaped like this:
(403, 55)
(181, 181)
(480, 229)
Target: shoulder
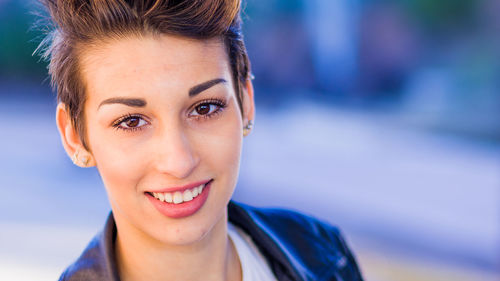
(309, 243)
(85, 266)
(97, 260)
(303, 225)
(290, 225)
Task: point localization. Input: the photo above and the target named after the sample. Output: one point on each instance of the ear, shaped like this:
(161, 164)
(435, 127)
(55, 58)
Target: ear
(248, 103)
(71, 140)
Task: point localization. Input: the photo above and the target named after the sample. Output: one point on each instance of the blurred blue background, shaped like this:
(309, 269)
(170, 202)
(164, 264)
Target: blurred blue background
(379, 116)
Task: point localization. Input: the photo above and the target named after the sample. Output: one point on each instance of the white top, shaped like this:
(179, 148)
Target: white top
(254, 266)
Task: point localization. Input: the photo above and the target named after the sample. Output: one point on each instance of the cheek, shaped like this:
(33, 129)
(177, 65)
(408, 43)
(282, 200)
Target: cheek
(221, 150)
(118, 164)
(117, 168)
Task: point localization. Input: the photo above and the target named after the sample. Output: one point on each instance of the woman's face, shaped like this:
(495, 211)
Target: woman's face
(162, 119)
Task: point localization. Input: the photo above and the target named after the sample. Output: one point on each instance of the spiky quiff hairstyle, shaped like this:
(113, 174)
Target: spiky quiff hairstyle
(77, 24)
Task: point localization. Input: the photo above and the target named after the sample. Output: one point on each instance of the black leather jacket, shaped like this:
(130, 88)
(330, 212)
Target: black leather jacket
(297, 247)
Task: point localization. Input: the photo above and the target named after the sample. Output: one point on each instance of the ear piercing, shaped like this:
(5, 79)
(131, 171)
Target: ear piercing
(247, 128)
(83, 160)
(75, 157)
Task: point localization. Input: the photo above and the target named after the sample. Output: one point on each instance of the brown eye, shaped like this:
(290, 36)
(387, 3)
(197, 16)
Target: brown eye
(203, 109)
(207, 108)
(132, 122)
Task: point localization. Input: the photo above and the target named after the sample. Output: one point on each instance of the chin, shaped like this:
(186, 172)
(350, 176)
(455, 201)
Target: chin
(192, 229)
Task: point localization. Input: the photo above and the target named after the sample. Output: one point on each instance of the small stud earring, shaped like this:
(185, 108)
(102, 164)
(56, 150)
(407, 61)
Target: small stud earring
(247, 128)
(75, 157)
(83, 160)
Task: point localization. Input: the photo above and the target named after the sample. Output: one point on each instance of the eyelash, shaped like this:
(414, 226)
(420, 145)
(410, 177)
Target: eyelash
(221, 104)
(125, 118)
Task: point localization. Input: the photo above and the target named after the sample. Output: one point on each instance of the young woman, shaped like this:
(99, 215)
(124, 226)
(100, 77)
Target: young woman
(157, 95)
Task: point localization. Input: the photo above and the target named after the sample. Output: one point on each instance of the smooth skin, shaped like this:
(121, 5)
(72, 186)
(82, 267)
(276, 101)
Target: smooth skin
(145, 132)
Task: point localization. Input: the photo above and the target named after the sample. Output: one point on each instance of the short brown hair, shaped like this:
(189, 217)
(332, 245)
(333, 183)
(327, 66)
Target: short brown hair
(80, 23)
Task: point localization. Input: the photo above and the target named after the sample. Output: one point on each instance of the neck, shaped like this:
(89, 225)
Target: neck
(211, 258)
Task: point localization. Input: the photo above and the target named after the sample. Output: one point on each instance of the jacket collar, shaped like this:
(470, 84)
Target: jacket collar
(281, 261)
(97, 261)
(298, 247)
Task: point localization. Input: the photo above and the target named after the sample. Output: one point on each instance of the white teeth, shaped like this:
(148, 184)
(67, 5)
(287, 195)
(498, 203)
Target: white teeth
(168, 198)
(161, 197)
(177, 197)
(187, 196)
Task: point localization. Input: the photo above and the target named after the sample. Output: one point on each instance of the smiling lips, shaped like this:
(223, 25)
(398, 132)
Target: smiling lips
(182, 201)
(178, 196)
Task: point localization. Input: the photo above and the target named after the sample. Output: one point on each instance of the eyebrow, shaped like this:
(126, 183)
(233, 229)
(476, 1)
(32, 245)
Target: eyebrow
(137, 102)
(204, 86)
(133, 102)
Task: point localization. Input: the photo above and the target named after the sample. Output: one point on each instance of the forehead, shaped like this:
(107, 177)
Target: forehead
(148, 64)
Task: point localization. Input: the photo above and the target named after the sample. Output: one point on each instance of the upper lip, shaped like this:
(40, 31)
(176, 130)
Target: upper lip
(181, 188)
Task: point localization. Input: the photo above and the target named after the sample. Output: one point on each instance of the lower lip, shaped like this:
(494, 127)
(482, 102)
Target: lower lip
(183, 209)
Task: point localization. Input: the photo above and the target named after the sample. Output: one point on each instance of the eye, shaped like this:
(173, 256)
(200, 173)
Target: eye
(204, 109)
(207, 108)
(130, 122)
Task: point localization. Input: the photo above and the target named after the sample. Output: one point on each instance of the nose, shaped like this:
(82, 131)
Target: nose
(175, 153)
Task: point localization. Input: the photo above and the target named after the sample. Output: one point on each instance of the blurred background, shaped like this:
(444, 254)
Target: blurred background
(379, 116)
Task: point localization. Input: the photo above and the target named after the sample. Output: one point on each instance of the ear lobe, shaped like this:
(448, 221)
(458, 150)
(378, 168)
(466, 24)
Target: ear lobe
(71, 140)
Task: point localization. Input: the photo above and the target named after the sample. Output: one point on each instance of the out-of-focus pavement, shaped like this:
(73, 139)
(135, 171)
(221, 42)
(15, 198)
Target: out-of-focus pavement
(413, 206)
